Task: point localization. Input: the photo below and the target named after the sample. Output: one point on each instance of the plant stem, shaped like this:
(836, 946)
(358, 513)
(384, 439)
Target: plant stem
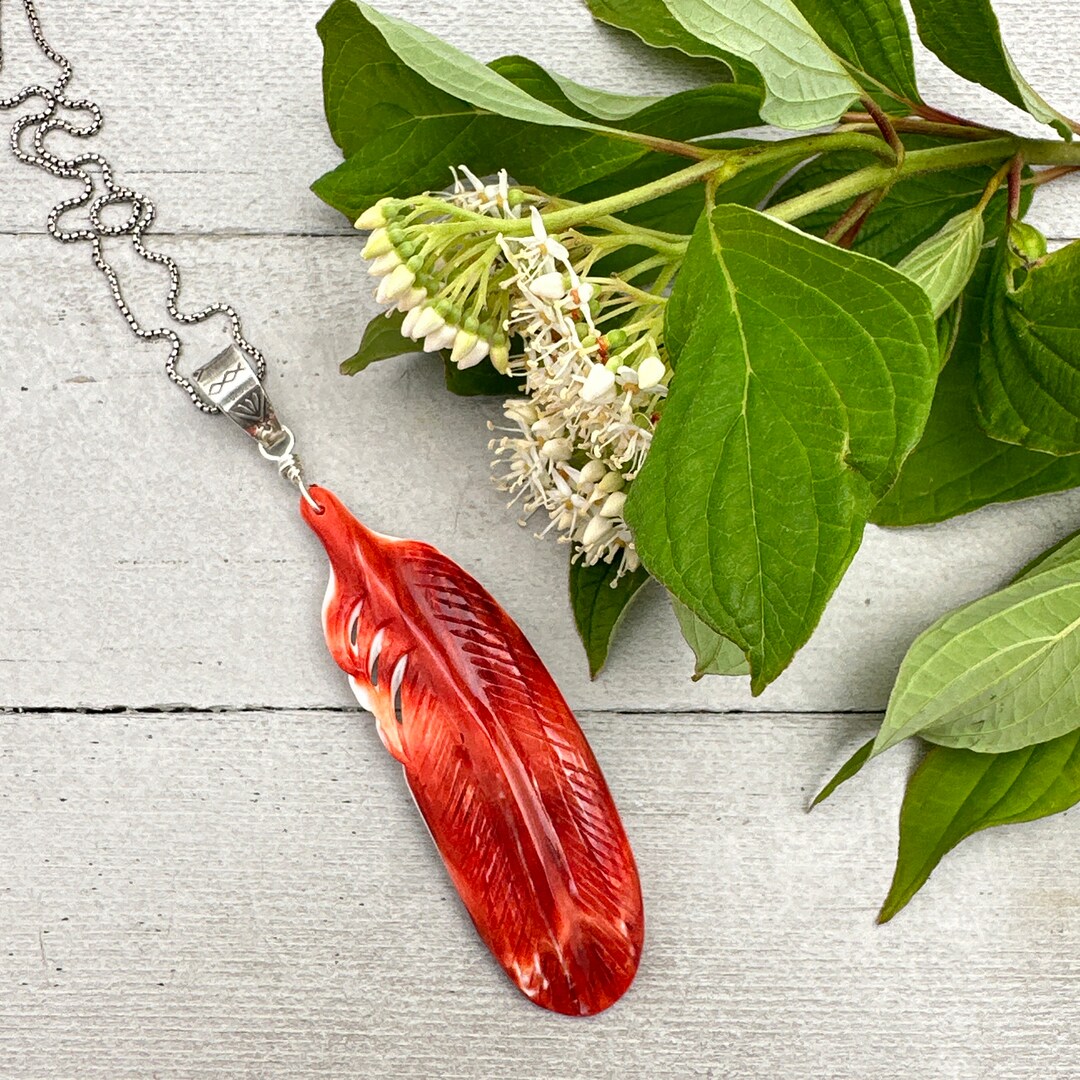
(1016, 171)
(986, 152)
(991, 188)
(720, 166)
(721, 162)
(664, 146)
(885, 126)
(856, 121)
(1047, 175)
(854, 215)
(928, 112)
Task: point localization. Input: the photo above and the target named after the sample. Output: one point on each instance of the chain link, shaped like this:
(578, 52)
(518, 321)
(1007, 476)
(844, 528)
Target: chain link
(139, 220)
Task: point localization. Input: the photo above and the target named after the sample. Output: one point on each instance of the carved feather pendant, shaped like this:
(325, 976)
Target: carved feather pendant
(500, 770)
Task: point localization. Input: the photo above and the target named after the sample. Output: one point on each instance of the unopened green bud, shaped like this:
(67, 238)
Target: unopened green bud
(613, 481)
(500, 357)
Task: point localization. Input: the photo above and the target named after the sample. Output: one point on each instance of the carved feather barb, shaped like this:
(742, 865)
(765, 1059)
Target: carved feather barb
(500, 770)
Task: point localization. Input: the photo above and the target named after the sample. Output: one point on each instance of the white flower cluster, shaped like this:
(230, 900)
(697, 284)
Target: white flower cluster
(409, 284)
(582, 432)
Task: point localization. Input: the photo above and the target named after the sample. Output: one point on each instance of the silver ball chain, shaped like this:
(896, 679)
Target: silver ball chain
(139, 220)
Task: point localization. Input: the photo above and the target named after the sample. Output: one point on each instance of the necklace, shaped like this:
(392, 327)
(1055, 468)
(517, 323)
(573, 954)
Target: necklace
(499, 768)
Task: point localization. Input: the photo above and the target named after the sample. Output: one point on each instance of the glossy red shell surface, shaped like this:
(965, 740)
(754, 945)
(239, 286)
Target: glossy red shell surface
(499, 767)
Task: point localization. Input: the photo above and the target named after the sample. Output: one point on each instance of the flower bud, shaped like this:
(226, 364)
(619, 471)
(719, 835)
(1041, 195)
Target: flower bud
(557, 449)
(613, 505)
(395, 284)
(427, 322)
(384, 264)
(412, 299)
(599, 383)
(373, 217)
(548, 286)
(440, 339)
(651, 372)
(378, 243)
(408, 324)
(614, 481)
(464, 341)
(500, 357)
(593, 471)
(474, 355)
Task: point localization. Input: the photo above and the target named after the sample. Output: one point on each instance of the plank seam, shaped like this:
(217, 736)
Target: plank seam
(241, 710)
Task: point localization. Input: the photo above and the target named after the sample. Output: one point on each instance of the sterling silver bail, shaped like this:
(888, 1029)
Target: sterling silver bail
(231, 383)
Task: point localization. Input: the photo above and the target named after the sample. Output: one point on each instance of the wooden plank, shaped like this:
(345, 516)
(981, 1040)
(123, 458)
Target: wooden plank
(216, 112)
(249, 893)
(154, 558)
(253, 895)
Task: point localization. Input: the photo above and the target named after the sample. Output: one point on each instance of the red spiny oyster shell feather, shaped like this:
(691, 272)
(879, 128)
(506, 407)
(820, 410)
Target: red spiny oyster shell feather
(499, 768)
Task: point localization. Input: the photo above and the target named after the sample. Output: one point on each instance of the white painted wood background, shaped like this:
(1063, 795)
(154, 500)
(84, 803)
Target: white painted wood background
(209, 867)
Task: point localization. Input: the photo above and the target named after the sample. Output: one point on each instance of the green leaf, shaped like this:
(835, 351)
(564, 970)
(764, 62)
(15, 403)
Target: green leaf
(1063, 554)
(872, 36)
(1028, 389)
(599, 602)
(1000, 673)
(1064, 551)
(806, 86)
(713, 653)
(913, 211)
(845, 772)
(957, 467)
(966, 35)
(382, 340)
(447, 69)
(942, 265)
(955, 793)
(479, 381)
(651, 22)
(804, 376)
(948, 330)
(400, 134)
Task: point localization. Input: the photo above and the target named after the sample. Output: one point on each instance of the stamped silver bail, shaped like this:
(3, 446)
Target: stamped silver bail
(231, 383)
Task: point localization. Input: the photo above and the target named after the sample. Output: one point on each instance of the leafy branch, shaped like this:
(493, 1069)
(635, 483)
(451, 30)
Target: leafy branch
(722, 357)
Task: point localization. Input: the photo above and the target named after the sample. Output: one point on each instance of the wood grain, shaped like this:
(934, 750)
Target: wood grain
(247, 892)
(145, 530)
(253, 895)
(217, 113)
